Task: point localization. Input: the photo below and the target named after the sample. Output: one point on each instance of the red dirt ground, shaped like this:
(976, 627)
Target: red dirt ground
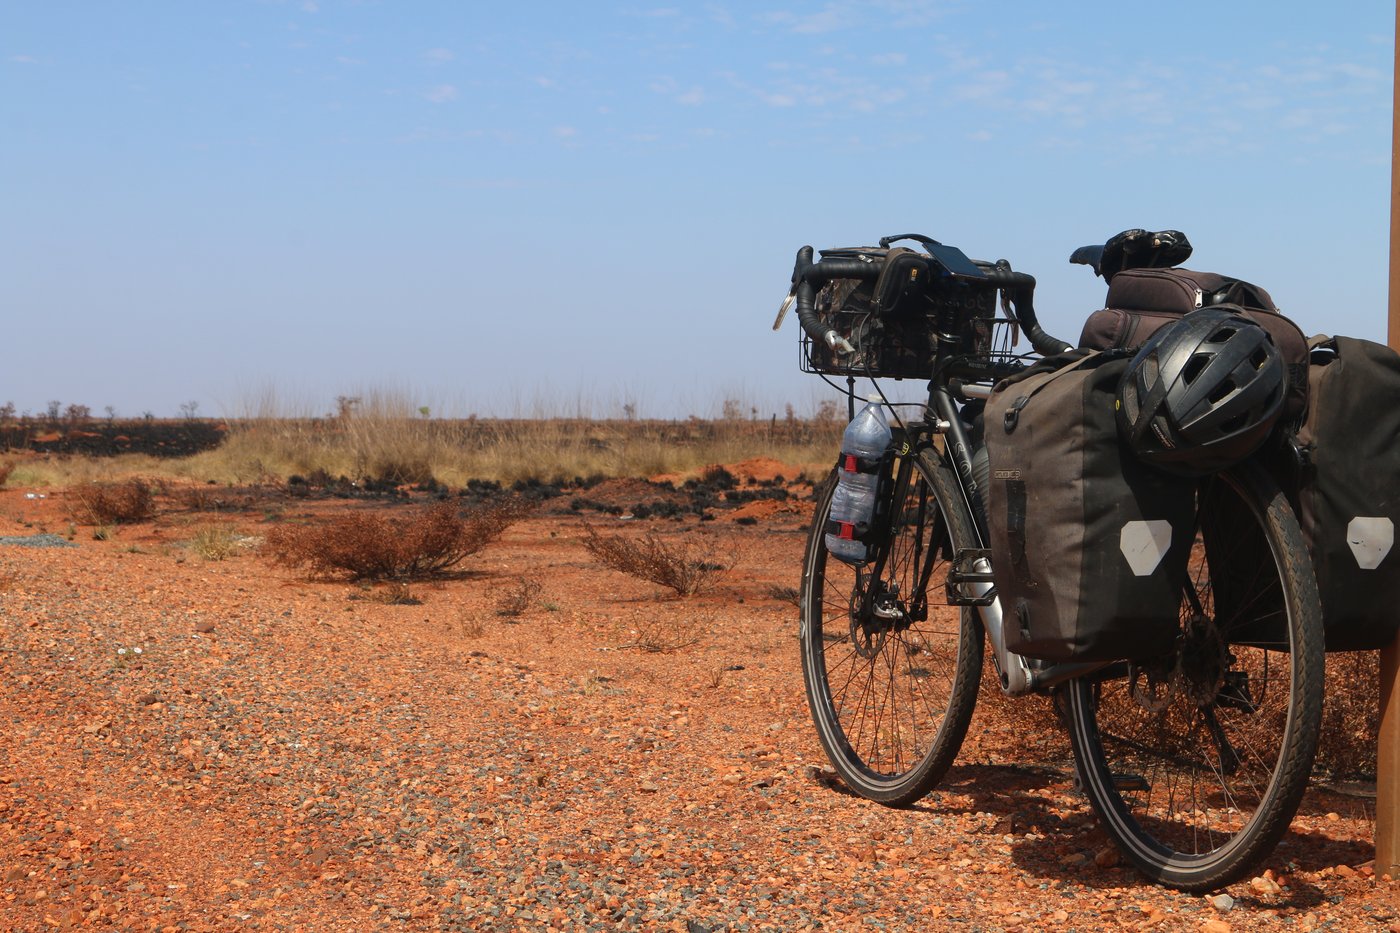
(294, 754)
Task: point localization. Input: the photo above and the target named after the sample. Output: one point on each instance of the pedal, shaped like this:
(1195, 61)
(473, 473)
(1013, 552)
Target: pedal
(963, 574)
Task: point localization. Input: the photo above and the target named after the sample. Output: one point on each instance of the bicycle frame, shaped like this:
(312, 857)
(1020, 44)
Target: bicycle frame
(1017, 675)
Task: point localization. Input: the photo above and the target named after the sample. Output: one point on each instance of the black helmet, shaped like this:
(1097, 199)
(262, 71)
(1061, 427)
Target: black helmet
(1202, 393)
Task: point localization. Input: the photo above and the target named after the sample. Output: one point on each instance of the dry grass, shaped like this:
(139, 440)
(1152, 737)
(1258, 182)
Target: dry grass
(385, 439)
(383, 547)
(681, 567)
(113, 503)
(215, 542)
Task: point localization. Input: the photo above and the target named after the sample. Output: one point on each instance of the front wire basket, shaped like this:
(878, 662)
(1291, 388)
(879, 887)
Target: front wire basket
(907, 354)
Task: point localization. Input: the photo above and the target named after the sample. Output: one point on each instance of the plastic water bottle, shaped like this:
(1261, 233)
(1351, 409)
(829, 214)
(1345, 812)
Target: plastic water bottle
(867, 438)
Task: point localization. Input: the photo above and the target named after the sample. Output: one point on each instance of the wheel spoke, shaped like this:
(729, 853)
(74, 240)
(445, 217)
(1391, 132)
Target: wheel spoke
(1225, 756)
(891, 671)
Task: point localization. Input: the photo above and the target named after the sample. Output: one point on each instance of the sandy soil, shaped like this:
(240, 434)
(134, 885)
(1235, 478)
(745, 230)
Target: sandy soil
(294, 754)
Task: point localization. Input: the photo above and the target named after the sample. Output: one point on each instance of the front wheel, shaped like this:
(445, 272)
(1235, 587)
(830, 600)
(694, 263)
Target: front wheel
(1196, 762)
(892, 669)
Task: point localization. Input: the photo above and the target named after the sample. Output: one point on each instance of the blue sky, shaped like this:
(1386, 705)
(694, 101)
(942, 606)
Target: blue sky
(506, 208)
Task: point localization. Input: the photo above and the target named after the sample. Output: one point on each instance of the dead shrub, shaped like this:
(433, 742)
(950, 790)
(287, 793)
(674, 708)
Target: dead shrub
(1351, 715)
(516, 600)
(383, 547)
(667, 632)
(680, 567)
(114, 503)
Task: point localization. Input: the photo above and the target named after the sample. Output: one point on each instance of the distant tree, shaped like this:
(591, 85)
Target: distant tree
(731, 410)
(77, 414)
(111, 414)
(345, 406)
(54, 408)
(7, 413)
(188, 409)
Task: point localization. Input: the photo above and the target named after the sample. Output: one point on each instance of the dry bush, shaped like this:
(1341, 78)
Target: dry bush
(397, 593)
(382, 547)
(5, 470)
(114, 503)
(667, 632)
(680, 567)
(1351, 715)
(514, 601)
(215, 542)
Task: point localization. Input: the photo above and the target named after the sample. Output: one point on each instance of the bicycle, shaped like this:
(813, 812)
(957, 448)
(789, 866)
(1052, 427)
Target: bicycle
(1195, 761)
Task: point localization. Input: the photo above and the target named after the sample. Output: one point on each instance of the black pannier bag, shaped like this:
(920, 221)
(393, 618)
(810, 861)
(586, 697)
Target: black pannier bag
(1089, 545)
(1348, 489)
(887, 318)
(1142, 301)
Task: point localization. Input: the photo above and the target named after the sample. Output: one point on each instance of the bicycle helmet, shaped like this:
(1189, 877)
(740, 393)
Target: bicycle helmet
(1202, 394)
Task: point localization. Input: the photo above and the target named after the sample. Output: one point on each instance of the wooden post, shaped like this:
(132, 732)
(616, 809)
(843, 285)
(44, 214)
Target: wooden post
(1388, 753)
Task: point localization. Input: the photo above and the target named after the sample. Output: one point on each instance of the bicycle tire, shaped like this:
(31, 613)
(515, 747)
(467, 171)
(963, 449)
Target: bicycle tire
(1197, 764)
(892, 703)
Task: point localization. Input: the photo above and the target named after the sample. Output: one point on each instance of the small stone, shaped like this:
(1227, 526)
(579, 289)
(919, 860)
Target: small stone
(1346, 871)
(1264, 885)
(146, 699)
(648, 787)
(1222, 902)
(1106, 858)
(204, 627)
(16, 874)
(1215, 926)
(1075, 860)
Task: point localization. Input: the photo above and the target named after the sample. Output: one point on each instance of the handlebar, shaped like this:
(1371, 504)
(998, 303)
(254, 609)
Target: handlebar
(1019, 287)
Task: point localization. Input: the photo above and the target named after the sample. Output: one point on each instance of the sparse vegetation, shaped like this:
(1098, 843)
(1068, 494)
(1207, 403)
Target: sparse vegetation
(6, 469)
(518, 598)
(666, 632)
(113, 503)
(1351, 715)
(215, 542)
(680, 567)
(424, 542)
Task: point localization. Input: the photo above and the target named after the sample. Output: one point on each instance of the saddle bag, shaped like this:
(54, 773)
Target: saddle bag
(1348, 489)
(1089, 545)
(1142, 301)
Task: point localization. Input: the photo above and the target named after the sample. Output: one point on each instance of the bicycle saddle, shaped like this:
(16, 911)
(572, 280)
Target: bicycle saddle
(1134, 249)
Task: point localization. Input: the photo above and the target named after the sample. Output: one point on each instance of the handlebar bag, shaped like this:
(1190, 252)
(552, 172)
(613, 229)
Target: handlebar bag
(887, 316)
(1142, 301)
(1348, 489)
(1089, 545)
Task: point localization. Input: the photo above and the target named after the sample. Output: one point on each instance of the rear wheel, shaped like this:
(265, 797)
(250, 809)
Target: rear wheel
(892, 669)
(1196, 762)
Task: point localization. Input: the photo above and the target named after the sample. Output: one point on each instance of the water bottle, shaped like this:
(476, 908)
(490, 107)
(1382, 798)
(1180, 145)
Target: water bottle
(866, 439)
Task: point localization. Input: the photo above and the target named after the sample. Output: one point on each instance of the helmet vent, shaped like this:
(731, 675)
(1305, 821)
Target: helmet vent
(1222, 392)
(1193, 368)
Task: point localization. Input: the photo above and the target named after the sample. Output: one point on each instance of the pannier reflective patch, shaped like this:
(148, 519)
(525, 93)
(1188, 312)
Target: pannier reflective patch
(1144, 544)
(1370, 540)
